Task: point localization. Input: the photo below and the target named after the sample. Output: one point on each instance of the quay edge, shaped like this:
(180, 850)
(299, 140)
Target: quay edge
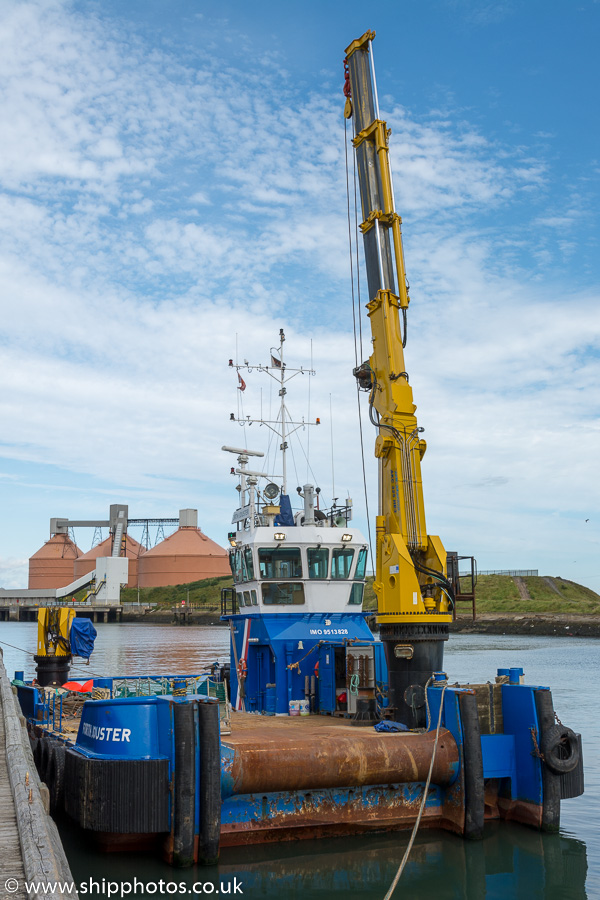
(42, 854)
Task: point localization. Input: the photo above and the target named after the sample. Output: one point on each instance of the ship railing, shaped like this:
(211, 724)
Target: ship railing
(228, 602)
(154, 685)
(202, 685)
(50, 705)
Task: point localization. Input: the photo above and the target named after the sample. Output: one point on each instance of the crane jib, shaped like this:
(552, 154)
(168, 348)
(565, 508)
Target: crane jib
(413, 594)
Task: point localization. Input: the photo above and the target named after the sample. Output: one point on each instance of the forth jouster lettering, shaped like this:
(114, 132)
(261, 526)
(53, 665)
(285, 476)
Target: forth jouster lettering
(100, 733)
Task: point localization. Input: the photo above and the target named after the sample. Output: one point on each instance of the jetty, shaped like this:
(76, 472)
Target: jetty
(30, 847)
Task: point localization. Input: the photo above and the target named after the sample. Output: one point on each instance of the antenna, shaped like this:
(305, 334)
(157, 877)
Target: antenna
(332, 456)
(243, 452)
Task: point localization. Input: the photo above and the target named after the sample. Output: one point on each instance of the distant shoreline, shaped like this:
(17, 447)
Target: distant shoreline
(546, 624)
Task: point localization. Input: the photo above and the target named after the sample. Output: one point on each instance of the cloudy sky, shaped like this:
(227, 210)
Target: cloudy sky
(172, 185)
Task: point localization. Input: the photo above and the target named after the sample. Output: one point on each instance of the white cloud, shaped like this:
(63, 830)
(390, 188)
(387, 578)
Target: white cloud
(151, 210)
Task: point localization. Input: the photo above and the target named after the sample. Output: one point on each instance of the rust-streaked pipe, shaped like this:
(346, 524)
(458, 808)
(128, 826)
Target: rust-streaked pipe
(261, 765)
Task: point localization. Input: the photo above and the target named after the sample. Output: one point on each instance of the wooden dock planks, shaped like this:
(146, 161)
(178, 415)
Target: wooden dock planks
(11, 862)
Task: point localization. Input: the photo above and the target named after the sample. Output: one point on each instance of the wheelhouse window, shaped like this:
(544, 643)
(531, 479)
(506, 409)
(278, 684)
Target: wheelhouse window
(283, 594)
(240, 599)
(254, 600)
(235, 560)
(356, 594)
(361, 563)
(341, 563)
(318, 562)
(248, 565)
(280, 562)
(247, 600)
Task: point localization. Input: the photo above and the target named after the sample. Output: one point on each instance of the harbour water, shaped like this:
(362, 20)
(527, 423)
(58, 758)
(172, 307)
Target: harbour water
(511, 862)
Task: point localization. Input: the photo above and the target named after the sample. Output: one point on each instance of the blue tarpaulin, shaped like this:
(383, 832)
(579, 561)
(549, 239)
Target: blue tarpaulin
(390, 726)
(82, 637)
(286, 516)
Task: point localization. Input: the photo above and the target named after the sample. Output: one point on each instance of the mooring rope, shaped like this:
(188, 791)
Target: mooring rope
(394, 883)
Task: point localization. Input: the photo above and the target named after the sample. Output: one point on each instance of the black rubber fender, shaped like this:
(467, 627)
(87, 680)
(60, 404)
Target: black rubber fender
(473, 767)
(210, 782)
(55, 777)
(550, 780)
(36, 748)
(560, 749)
(45, 753)
(184, 790)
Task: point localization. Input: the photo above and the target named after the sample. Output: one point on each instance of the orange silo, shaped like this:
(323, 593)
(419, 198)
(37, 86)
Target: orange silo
(187, 555)
(133, 551)
(52, 565)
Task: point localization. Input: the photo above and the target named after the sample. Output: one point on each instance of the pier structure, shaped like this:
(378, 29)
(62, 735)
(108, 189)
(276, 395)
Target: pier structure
(23, 606)
(30, 846)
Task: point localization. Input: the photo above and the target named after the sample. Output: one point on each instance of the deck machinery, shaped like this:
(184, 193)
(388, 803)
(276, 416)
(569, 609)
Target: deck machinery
(415, 598)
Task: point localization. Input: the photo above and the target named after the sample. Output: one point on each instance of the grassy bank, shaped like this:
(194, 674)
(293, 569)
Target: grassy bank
(206, 593)
(532, 595)
(501, 594)
(496, 594)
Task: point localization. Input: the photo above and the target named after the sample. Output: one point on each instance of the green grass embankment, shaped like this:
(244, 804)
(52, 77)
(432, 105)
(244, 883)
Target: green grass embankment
(500, 595)
(495, 594)
(206, 594)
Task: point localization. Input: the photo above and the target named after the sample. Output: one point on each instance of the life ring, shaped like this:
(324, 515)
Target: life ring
(560, 749)
(242, 669)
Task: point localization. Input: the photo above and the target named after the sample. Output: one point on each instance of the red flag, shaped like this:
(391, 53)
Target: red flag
(242, 383)
(275, 362)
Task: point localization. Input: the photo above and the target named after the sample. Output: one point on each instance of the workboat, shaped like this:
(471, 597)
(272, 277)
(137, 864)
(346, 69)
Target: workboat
(299, 640)
(316, 727)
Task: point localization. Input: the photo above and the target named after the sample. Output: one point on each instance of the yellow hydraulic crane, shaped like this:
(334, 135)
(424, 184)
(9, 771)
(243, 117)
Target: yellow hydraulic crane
(53, 656)
(414, 596)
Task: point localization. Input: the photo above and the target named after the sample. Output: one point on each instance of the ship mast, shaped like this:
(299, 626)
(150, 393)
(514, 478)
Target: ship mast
(283, 425)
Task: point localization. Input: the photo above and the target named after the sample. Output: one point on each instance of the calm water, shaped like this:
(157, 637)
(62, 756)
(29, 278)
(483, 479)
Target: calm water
(512, 861)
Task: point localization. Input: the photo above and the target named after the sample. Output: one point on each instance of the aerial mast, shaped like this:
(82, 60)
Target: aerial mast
(283, 426)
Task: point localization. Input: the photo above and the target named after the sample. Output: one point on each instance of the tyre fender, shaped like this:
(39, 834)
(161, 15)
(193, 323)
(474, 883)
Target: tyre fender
(55, 777)
(560, 749)
(45, 751)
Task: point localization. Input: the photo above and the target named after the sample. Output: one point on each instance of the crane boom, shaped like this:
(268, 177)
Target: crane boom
(414, 597)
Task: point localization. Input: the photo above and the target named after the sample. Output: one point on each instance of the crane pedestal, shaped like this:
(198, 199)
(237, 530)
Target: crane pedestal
(52, 671)
(413, 653)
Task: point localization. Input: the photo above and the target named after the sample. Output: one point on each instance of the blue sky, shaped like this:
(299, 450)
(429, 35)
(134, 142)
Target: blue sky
(172, 174)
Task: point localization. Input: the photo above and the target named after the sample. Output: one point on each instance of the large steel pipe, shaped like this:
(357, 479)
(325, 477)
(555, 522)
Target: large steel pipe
(263, 765)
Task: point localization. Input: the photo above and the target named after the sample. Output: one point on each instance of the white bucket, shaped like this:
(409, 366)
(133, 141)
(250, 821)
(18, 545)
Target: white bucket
(295, 707)
(304, 707)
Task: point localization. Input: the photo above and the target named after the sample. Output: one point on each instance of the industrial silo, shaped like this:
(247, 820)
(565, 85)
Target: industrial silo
(133, 550)
(187, 555)
(52, 565)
